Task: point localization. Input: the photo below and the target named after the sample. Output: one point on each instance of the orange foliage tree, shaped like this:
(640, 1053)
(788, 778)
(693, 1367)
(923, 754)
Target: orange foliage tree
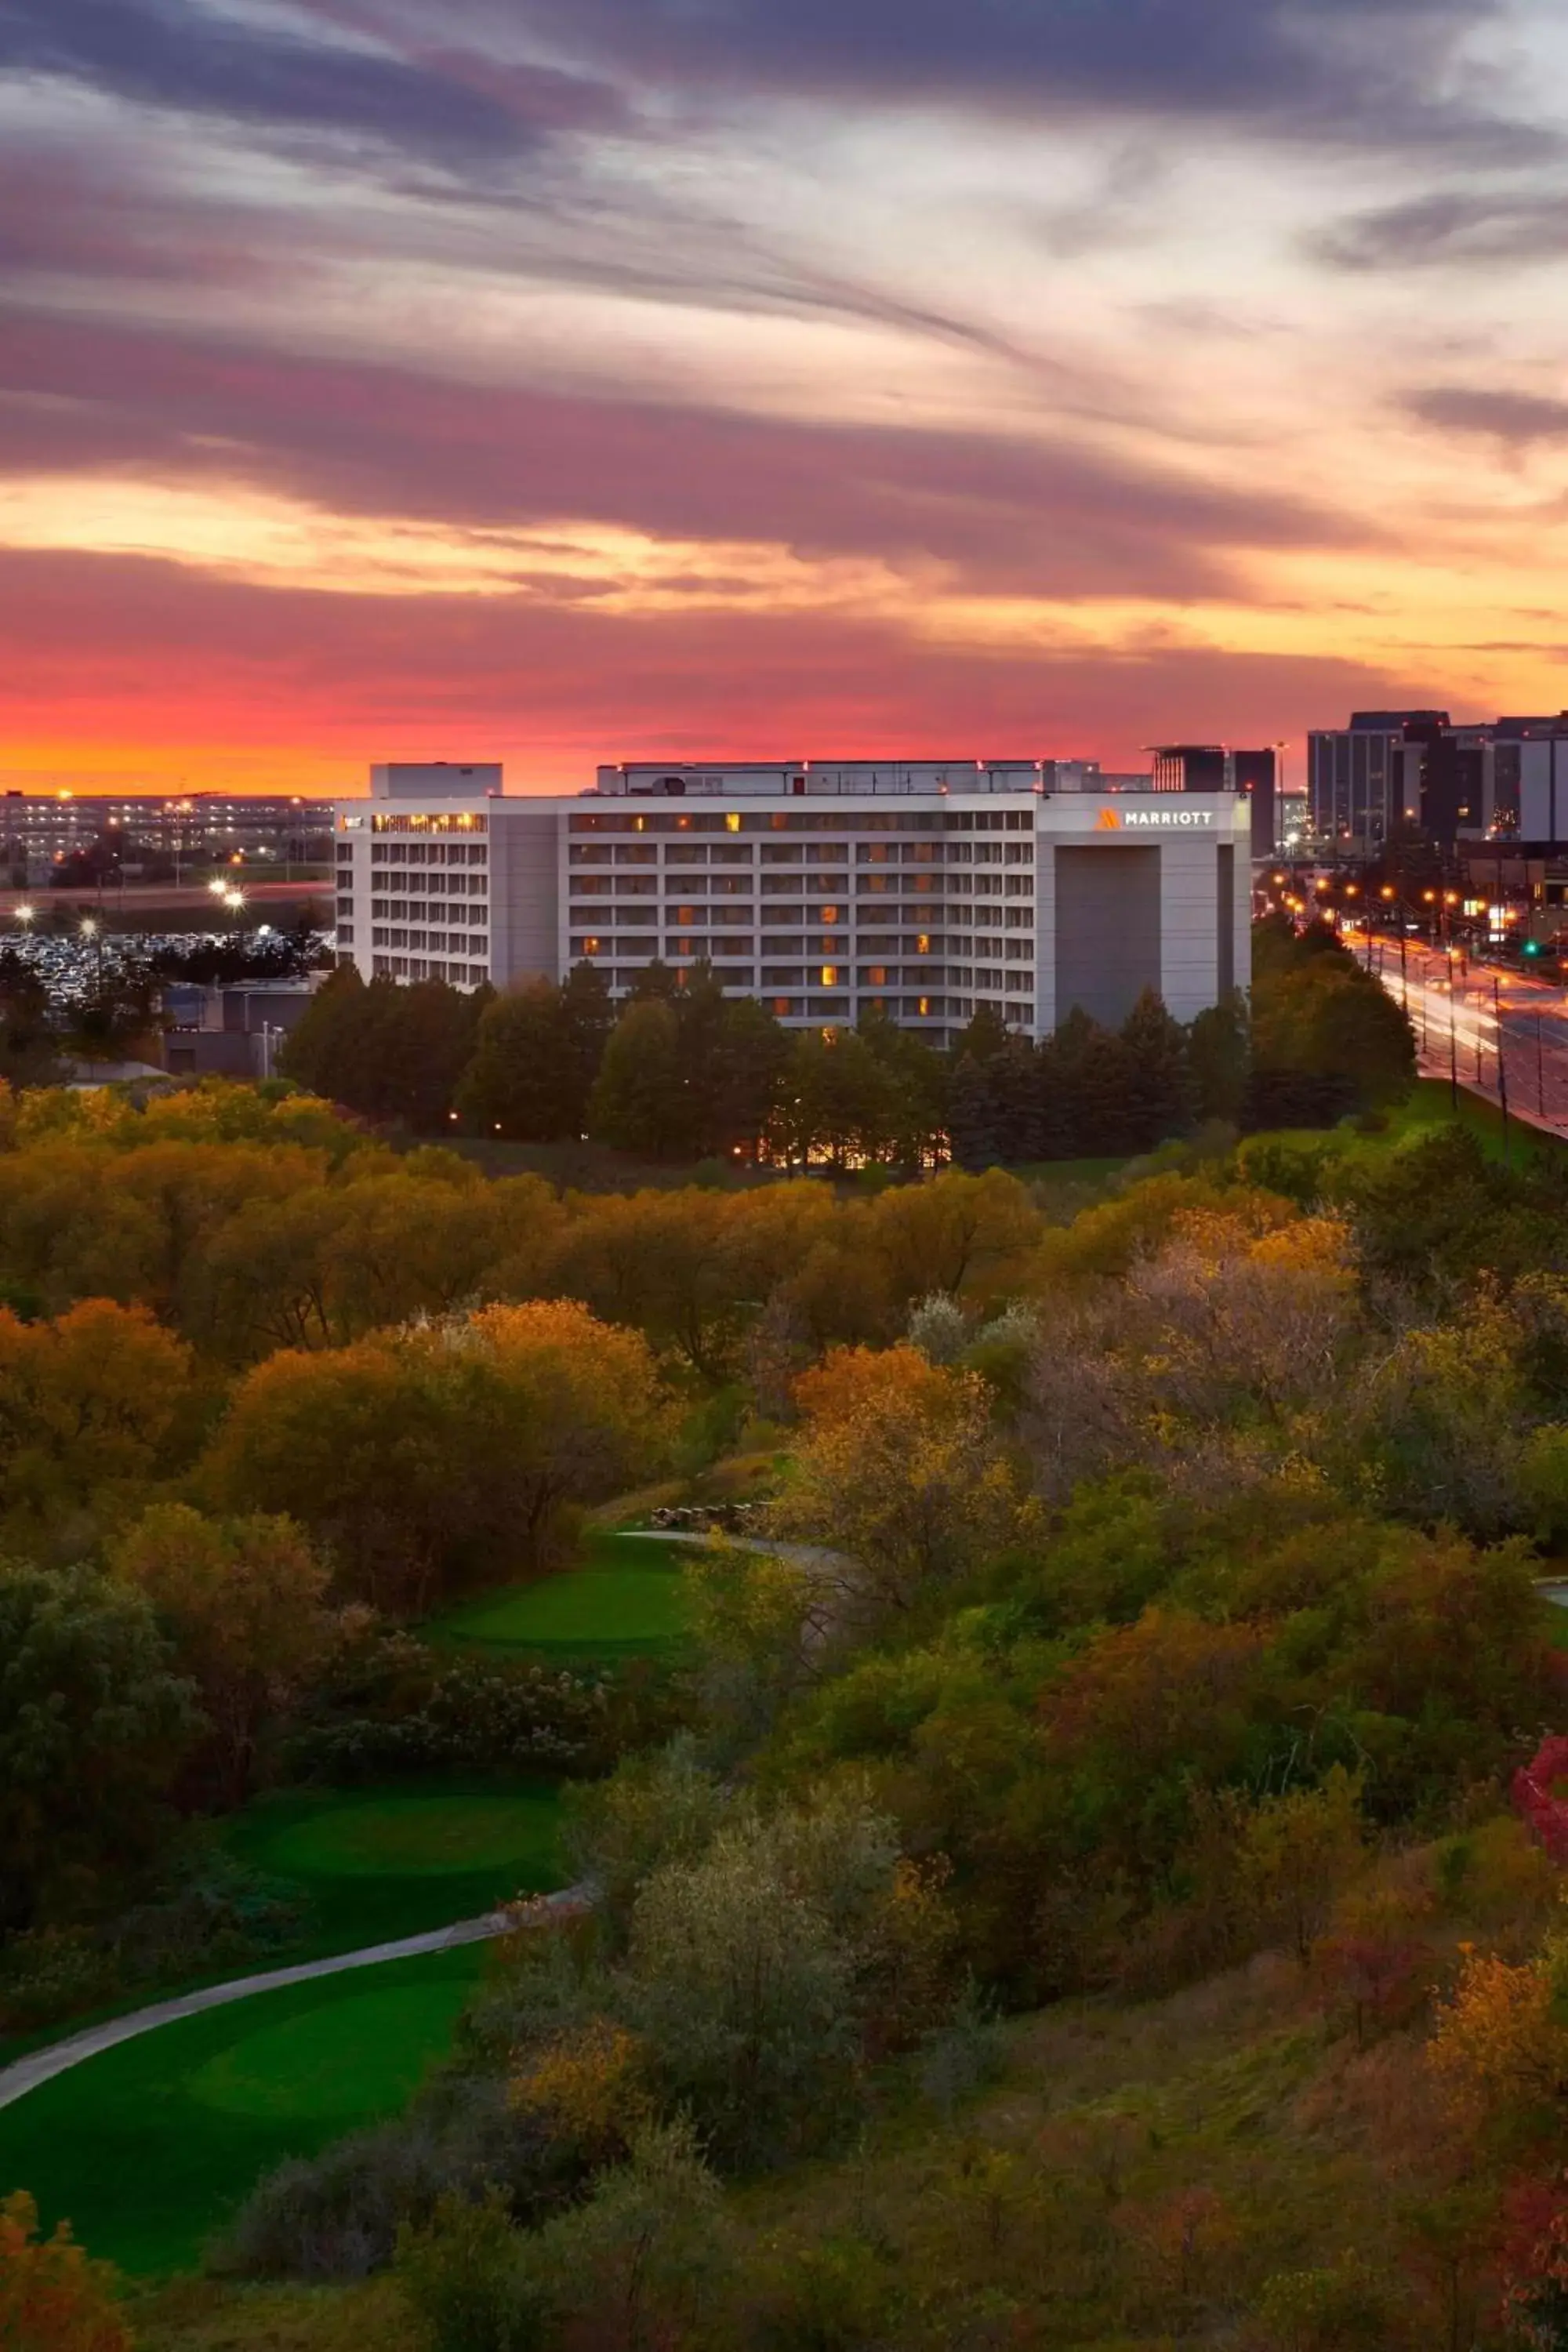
(445, 1451)
(52, 2298)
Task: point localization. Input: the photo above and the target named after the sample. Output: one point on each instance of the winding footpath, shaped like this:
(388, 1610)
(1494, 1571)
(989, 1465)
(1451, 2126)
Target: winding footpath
(25, 2074)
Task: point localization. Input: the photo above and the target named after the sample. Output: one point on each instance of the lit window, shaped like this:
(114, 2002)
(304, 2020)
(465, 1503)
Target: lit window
(591, 946)
(878, 975)
(830, 914)
(781, 1006)
(922, 945)
(830, 975)
(924, 1005)
(733, 823)
(686, 914)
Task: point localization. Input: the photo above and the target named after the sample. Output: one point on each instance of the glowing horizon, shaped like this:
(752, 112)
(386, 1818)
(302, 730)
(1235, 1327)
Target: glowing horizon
(613, 381)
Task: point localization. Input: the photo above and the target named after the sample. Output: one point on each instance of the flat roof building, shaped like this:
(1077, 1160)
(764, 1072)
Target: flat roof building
(922, 889)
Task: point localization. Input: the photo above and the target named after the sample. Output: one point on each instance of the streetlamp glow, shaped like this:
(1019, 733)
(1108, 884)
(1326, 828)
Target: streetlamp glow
(27, 914)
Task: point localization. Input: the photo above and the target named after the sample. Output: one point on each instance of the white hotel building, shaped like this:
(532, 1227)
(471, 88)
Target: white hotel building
(927, 888)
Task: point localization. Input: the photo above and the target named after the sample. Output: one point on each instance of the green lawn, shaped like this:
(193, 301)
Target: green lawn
(625, 1599)
(379, 1864)
(148, 2148)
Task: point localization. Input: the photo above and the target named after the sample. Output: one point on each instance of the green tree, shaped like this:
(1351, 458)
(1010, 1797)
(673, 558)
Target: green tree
(1158, 1102)
(28, 1043)
(94, 1724)
(640, 1101)
(524, 1078)
(1219, 1053)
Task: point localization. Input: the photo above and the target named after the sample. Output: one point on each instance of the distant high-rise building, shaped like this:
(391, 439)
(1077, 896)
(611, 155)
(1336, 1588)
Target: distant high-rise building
(1192, 767)
(1365, 780)
(1256, 773)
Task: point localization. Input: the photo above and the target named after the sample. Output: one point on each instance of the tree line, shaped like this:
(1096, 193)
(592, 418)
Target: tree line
(683, 1072)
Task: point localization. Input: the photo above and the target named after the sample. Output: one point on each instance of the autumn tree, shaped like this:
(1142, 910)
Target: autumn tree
(94, 1722)
(446, 1451)
(1500, 2048)
(52, 2297)
(898, 1467)
(89, 1403)
(243, 1602)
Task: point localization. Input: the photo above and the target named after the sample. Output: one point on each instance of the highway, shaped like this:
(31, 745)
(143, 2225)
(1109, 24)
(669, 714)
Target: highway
(1489, 1009)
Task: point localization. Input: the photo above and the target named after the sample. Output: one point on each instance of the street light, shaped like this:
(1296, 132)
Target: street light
(27, 916)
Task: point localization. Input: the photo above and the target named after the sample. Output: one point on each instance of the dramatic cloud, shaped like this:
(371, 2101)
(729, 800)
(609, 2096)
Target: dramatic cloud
(592, 376)
(196, 59)
(1518, 418)
(1043, 516)
(1474, 230)
(1345, 68)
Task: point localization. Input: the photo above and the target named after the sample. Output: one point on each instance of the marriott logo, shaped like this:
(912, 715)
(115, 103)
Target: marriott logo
(1112, 820)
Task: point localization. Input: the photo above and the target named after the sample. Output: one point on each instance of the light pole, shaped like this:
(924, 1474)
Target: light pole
(1501, 1060)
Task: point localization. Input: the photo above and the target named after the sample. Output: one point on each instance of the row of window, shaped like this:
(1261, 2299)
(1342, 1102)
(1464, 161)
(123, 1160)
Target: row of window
(586, 886)
(429, 910)
(438, 942)
(866, 853)
(456, 975)
(414, 821)
(847, 820)
(434, 853)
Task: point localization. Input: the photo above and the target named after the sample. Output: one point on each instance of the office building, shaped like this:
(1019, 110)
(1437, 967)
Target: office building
(922, 889)
(1365, 780)
(1217, 768)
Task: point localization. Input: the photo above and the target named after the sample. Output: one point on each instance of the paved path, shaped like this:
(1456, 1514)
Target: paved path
(25, 2074)
(800, 1555)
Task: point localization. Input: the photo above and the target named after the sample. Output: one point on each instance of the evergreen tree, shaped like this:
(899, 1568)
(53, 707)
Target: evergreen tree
(1157, 1101)
(1083, 1088)
(589, 1015)
(986, 1036)
(26, 1040)
(1219, 1048)
(973, 1116)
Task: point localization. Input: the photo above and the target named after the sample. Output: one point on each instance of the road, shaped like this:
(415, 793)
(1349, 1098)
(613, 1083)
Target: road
(1488, 1011)
(113, 906)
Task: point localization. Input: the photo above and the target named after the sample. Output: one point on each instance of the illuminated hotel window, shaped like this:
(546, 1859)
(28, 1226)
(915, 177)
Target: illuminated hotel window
(781, 1006)
(878, 975)
(925, 1004)
(830, 914)
(732, 822)
(686, 914)
(830, 975)
(922, 944)
(591, 946)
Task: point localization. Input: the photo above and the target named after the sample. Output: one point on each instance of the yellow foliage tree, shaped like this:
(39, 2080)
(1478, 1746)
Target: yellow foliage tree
(1500, 2047)
(900, 1468)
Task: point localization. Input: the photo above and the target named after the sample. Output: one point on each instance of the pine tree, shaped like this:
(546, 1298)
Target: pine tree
(1157, 1101)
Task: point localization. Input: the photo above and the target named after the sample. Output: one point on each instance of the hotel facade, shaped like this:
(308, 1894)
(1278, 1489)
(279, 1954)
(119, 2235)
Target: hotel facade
(922, 889)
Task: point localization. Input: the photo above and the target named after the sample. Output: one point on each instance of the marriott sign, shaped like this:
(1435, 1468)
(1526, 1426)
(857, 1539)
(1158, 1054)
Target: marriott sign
(1186, 820)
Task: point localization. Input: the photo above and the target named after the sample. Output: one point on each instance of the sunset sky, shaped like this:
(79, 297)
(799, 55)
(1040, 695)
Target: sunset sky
(567, 380)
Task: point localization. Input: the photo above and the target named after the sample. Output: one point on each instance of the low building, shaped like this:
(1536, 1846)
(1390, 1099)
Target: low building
(922, 889)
